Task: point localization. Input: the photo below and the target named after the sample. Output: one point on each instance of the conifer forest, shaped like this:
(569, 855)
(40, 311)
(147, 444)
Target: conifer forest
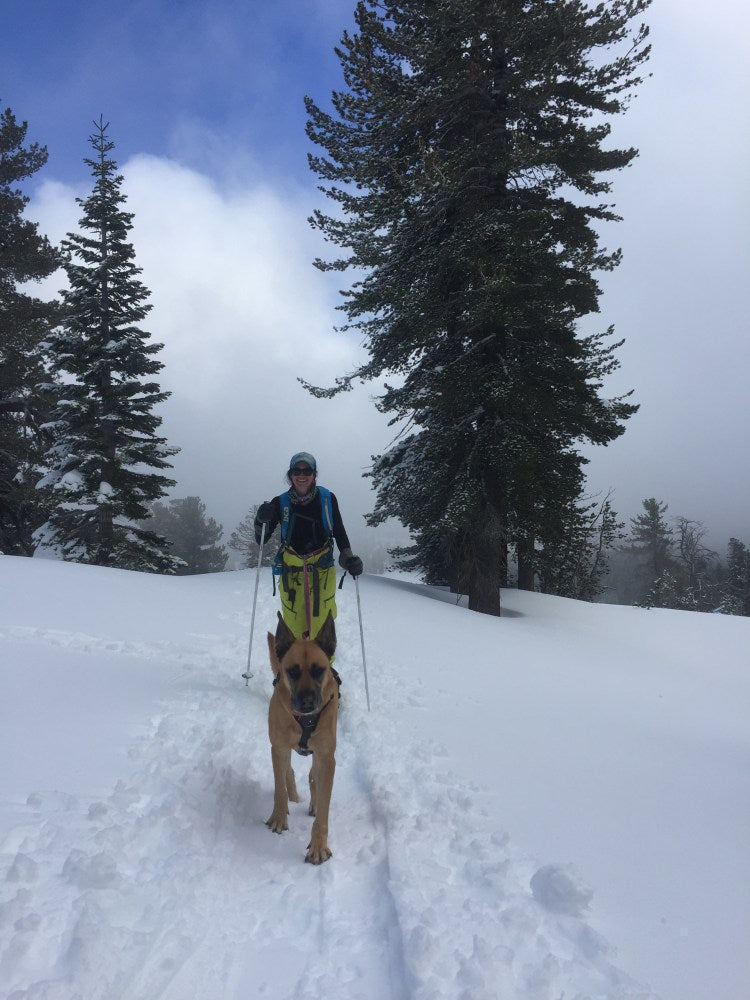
(466, 165)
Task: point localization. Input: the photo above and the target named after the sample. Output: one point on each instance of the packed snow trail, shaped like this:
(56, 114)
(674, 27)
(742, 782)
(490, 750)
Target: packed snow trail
(171, 887)
(166, 885)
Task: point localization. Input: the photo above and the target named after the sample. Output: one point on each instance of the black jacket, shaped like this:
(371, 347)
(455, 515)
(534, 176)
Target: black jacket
(306, 531)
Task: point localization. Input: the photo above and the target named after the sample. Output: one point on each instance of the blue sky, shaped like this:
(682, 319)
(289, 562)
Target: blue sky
(206, 109)
(162, 72)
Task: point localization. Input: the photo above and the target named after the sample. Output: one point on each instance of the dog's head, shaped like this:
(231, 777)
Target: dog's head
(303, 666)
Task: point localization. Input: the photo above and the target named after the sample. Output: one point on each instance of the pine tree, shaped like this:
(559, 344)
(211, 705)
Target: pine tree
(193, 537)
(575, 563)
(242, 540)
(105, 452)
(735, 589)
(652, 541)
(668, 591)
(466, 161)
(25, 322)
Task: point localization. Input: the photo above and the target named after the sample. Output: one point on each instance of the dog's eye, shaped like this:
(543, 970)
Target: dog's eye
(294, 673)
(317, 672)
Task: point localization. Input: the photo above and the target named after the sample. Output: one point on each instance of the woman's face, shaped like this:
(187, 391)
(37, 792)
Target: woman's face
(303, 478)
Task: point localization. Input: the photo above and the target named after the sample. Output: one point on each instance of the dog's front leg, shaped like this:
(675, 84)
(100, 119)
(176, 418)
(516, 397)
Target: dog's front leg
(282, 762)
(321, 785)
(311, 779)
(291, 784)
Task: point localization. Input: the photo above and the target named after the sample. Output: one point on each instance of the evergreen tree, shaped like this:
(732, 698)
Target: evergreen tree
(466, 163)
(652, 541)
(668, 591)
(433, 555)
(105, 452)
(735, 589)
(193, 537)
(25, 321)
(575, 563)
(242, 540)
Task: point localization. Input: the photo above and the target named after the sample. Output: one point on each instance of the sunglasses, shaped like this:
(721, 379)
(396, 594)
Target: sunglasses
(301, 472)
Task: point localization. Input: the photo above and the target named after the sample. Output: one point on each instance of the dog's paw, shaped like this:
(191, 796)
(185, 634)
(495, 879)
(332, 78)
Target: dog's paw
(318, 853)
(277, 824)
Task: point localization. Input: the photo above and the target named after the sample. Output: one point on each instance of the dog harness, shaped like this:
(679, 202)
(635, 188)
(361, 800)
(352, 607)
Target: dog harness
(309, 722)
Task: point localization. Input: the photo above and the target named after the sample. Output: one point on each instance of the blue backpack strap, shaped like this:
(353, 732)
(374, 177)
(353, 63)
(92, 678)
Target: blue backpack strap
(327, 509)
(286, 507)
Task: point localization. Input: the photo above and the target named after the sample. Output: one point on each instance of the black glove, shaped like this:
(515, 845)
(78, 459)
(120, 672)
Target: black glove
(266, 512)
(350, 562)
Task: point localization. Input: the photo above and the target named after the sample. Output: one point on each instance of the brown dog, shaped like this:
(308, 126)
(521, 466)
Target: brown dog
(302, 716)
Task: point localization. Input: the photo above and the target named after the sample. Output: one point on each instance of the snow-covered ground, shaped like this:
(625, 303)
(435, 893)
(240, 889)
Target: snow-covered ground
(552, 804)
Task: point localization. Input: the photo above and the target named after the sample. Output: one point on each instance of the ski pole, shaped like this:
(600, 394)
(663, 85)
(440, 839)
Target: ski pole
(248, 674)
(362, 637)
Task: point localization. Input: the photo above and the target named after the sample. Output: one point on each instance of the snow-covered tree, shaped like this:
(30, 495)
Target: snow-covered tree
(106, 460)
(468, 162)
(25, 322)
(194, 538)
(652, 542)
(697, 565)
(575, 563)
(652, 538)
(735, 588)
(668, 591)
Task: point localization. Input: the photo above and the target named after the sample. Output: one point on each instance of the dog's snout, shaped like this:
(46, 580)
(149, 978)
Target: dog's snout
(307, 701)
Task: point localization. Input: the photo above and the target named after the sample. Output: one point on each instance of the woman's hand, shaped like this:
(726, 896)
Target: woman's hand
(351, 563)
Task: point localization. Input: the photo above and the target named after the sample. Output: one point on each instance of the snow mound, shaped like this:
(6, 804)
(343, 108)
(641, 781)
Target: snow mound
(560, 889)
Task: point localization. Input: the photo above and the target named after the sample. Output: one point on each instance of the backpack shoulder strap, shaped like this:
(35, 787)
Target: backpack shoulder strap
(327, 509)
(286, 506)
(277, 564)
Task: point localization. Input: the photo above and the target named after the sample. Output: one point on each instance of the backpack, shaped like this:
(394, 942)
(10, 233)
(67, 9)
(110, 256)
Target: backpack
(286, 508)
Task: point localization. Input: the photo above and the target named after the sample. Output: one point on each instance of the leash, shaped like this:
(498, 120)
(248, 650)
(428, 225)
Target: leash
(248, 673)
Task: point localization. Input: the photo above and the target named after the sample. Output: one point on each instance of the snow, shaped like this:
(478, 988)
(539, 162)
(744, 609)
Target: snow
(549, 804)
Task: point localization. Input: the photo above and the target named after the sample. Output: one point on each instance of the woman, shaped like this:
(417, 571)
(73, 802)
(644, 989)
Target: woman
(310, 522)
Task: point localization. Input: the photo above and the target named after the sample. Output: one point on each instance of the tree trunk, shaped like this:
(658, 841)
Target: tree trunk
(486, 552)
(524, 551)
(503, 563)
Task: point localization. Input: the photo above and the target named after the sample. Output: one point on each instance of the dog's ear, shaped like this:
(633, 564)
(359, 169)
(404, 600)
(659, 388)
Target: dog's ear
(275, 665)
(326, 638)
(284, 638)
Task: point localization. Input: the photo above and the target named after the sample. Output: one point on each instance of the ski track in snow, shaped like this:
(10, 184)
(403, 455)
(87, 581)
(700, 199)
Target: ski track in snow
(171, 887)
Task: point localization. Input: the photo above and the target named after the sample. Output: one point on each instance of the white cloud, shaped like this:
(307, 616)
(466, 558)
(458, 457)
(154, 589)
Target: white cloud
(678, 297)
(242, 313)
